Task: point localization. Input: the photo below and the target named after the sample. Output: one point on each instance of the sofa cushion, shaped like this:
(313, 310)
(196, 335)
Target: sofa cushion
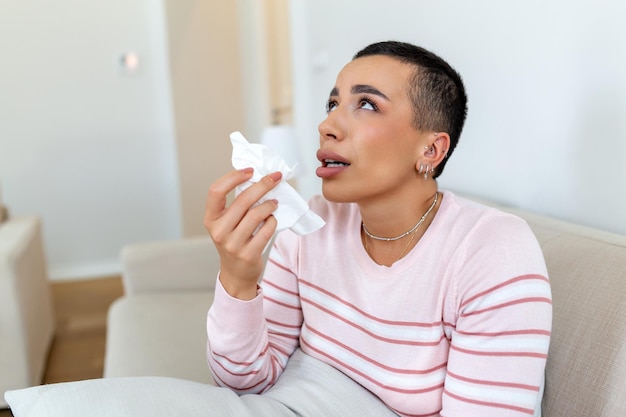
(159, 334)
(587, 362)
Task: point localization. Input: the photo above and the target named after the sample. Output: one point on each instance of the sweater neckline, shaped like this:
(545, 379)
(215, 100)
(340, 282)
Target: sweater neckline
(407, 260)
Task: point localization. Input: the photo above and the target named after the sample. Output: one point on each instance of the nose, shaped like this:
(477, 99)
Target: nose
(331, 127)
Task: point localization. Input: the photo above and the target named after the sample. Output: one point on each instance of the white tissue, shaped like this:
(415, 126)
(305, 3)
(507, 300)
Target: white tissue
(292, 212)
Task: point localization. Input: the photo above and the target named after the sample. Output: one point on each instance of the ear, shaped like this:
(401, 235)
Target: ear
(435, 150)
(438, 150)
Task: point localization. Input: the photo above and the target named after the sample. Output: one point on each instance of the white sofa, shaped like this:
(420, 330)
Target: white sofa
(26, 315)
(158, 328)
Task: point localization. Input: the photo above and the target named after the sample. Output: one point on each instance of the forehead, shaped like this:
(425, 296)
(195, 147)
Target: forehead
(386, 73)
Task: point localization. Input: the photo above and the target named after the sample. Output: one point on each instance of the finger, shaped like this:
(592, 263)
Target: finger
(259, 241)
(219, 190)
(246, 248)
(250, 196)
(221, 226)
(234, 238)
(253, 221)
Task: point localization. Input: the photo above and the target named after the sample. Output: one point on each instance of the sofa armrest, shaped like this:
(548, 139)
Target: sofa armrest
(185, 264)
(26, 315)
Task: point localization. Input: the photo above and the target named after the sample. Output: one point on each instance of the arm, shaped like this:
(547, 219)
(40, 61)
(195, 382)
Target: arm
(250, 342)
(503, 314)
(240, 351)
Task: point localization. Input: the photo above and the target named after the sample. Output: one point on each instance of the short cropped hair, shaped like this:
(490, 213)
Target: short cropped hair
(436, 90)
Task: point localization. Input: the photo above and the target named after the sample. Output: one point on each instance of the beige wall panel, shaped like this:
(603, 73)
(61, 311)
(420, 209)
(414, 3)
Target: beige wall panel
(206, 92)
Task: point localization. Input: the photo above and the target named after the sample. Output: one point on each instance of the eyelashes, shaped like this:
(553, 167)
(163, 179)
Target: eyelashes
(366, 101)
(331, 105)
(363, 103)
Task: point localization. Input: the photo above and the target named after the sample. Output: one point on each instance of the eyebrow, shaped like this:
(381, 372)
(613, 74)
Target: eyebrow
(361, 89)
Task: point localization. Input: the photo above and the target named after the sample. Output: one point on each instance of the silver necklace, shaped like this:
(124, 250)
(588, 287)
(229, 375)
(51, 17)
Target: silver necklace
(414, 228)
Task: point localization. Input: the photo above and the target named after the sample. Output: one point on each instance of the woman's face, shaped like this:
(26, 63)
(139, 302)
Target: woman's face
(368, 145)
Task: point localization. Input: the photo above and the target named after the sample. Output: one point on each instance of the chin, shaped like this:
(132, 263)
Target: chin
(336, 194)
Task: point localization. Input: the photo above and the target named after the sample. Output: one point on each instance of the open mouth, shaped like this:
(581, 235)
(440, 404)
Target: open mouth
(332, 163)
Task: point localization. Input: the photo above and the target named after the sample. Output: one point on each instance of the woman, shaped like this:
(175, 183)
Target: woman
(435, 304)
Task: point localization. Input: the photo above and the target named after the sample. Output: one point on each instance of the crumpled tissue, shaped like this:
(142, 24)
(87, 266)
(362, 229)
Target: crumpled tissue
(293, 212)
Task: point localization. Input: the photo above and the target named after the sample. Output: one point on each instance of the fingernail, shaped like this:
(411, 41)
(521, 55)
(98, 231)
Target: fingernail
(276, 176)
(247, 171)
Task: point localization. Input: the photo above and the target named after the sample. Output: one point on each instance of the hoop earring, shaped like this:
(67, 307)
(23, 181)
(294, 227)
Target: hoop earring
(425, 169)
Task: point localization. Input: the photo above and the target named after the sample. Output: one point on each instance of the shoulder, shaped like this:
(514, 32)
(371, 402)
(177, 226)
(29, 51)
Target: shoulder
(492, 253)
(492, 245)
(489, 239)
(481, 223)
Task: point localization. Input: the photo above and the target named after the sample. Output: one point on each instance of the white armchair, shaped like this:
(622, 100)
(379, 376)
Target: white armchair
(26, 315)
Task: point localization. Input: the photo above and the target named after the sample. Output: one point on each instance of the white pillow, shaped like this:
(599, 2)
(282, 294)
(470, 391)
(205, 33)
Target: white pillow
(307, 387)
(121, 397)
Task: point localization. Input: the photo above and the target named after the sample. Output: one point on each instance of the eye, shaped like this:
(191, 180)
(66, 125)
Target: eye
(366, 103)
(331, 105)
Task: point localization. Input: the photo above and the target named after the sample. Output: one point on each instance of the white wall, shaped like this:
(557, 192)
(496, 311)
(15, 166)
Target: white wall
(85, 146)
(546, 83)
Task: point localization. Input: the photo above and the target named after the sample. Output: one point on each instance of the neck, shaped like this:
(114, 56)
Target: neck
(393, 217)
(387, 252)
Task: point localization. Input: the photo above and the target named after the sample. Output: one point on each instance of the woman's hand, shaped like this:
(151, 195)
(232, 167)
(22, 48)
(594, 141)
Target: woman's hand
(232, 228)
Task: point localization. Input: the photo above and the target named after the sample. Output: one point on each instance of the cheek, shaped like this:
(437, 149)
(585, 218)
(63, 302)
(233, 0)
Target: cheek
(387, 148)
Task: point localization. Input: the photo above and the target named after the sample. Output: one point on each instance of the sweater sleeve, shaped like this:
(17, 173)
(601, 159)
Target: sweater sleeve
(250, 342)
(500, 322)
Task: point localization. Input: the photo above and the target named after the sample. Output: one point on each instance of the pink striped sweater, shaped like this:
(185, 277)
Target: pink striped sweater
(458, 327)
